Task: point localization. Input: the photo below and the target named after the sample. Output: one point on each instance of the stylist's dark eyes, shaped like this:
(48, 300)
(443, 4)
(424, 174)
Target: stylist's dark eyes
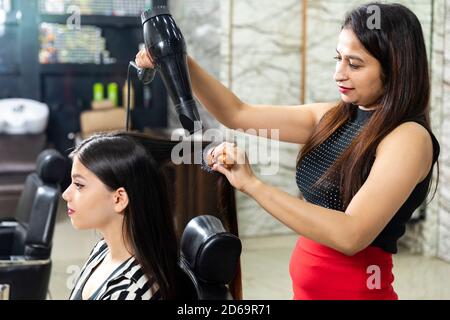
(354, 67)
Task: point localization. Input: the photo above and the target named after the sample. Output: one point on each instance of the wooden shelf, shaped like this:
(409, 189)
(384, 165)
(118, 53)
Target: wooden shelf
(95, 20)
(83, 69)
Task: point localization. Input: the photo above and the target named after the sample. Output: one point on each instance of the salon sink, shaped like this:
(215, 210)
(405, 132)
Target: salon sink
(23, 116)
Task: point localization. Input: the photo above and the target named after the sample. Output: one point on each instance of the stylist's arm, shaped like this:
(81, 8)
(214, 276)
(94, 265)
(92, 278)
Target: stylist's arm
(329, 226)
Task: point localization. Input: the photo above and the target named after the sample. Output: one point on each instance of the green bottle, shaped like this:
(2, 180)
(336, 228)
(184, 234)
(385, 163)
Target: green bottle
(113, 93)
(99, 93)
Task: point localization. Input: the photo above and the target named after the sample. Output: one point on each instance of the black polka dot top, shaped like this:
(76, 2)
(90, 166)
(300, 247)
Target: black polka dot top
(317, 162)
(327, 194)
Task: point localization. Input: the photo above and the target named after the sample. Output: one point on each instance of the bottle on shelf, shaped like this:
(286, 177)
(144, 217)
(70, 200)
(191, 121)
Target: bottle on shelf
(113, 93)
(98, 91)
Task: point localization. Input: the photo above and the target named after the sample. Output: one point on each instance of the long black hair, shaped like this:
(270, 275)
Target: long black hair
(399, 46)
(119, 160)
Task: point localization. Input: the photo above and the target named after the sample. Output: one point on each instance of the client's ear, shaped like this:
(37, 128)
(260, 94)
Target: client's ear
(120, 200)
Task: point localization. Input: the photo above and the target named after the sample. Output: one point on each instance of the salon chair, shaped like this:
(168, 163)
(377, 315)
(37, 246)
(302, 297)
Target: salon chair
(209, 258)
(26, 240)
(18, 155)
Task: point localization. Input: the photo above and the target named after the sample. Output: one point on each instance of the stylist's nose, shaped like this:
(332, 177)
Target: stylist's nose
(340, 75)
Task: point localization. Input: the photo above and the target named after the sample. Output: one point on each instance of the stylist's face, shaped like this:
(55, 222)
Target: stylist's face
(90, 205)
(358, 74)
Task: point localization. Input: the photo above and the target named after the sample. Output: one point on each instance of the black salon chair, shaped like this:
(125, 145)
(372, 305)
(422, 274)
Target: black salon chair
(18, 154)
(26, 240)
(209, 258)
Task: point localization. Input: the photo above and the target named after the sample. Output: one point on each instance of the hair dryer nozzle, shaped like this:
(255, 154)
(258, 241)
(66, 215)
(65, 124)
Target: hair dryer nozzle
(153, 12)
(188, 116)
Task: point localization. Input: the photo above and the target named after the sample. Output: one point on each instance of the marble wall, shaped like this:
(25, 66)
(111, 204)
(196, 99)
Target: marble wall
(254, 47)
(443, 246)
(254, 62)
(324, 21)
(432, 236)
(200, 22)
(262, 46)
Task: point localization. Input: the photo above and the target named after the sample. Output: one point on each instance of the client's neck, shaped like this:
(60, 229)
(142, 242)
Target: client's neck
(119, 247)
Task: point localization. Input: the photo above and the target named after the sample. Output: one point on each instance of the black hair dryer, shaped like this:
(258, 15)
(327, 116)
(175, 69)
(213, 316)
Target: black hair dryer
(167, 48)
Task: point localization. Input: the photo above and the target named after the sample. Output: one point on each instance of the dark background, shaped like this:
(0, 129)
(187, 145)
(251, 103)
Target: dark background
(67, 88)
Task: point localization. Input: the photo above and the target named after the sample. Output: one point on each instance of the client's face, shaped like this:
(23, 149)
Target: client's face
(358, 74)
(90, 205)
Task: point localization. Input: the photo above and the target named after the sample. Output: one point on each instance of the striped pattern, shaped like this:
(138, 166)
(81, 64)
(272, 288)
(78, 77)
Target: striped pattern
(127, 282)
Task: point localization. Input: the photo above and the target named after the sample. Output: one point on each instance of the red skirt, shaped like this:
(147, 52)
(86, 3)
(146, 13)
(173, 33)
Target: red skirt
(322, 273)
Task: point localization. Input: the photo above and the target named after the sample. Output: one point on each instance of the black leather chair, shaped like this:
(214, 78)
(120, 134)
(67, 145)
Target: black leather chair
(209, 258)
(18, 154)
(26, 240)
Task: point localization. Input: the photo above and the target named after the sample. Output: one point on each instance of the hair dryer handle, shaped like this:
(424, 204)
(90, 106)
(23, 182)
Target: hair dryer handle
(145, 75)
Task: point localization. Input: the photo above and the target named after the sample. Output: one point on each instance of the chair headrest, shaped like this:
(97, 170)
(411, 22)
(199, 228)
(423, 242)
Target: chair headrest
(51, 166)
(211, 252)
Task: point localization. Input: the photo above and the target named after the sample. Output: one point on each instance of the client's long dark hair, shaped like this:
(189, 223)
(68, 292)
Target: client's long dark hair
(119, 160)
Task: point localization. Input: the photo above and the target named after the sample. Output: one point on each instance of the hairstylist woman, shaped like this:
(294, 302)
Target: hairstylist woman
(366, 163)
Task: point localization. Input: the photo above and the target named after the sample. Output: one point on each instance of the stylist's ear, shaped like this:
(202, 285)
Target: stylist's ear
(120, 200)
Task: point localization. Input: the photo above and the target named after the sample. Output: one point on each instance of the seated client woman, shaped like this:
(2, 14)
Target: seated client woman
(117, 189)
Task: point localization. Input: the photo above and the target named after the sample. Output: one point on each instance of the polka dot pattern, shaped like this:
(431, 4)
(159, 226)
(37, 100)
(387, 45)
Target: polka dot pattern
(319, 160)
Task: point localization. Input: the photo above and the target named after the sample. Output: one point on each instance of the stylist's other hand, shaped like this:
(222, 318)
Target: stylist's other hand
(143, 60)
(232, 162)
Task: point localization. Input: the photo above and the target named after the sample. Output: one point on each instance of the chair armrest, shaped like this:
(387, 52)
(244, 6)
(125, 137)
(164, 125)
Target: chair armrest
(28, 279)
(8, 224)
(19, 261)
(6, 239)
(4, 291)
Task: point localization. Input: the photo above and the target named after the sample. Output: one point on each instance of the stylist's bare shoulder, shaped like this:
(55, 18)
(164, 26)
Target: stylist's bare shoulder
(294, 124)
(318, 110)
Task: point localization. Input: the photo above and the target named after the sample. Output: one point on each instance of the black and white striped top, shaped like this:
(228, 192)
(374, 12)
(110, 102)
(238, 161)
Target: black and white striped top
(126, 282)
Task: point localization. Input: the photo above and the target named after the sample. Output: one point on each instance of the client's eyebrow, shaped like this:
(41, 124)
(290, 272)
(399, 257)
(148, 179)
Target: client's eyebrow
(353, 57)
(76, 175)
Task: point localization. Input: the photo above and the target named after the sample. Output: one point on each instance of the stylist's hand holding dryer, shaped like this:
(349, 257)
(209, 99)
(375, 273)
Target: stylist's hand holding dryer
(366, 163)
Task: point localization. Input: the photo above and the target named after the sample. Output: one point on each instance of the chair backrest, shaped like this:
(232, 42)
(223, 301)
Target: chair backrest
(209, 257)
(36, 211)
